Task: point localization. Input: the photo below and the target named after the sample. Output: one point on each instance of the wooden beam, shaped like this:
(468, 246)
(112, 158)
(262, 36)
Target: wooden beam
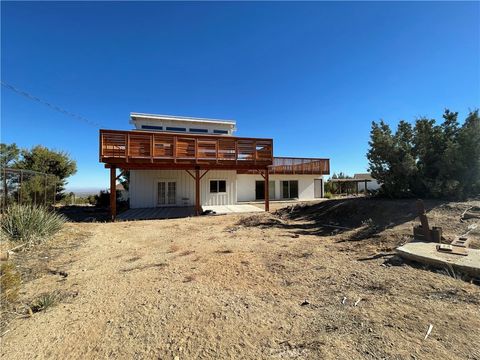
(205, 173)
(197, 191)
(113, 194)
(267, 188)
(189, 173)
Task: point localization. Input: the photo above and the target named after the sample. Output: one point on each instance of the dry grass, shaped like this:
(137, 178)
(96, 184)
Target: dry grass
(10, 282)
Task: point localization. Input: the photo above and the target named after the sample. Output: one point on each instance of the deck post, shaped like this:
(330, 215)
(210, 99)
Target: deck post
(197, 191)
(267, 196)
(113, 193)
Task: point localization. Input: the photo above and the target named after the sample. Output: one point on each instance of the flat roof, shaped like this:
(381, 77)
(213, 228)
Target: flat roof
(184, 118)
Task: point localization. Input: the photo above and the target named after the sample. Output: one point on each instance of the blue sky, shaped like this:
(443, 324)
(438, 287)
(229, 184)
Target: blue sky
(311, 75)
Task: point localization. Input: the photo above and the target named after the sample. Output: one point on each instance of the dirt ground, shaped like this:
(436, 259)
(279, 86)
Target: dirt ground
(280, 286)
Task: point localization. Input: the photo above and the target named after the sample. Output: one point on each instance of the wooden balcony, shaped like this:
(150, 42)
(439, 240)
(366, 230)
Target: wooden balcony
(296, 166)
(142, 149)
(290, 165)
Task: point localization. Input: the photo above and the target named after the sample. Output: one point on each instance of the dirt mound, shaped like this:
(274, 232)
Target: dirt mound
(381, 213)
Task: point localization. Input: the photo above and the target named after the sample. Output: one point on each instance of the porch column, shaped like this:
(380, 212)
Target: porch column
(365, 187)
(197, 191)
(267, 197)
(113, 193)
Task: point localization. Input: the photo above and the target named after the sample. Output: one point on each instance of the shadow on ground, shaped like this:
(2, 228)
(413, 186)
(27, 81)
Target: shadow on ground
(370, 216)
(84, 213)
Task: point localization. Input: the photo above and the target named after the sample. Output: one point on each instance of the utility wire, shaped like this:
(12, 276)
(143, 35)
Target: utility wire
(51, 106)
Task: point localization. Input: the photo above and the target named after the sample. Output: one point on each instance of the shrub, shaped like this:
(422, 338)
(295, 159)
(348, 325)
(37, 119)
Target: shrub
(9, 282)
(44, 301)
(30, 223)
(328, 195)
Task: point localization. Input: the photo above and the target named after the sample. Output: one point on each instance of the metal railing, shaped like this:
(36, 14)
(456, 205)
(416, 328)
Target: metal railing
(27, 187)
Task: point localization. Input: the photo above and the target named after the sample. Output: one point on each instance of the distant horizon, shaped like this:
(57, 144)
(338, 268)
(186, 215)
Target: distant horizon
(310, 75)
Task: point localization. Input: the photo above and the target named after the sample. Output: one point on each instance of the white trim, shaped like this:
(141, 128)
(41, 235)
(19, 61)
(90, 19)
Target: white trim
(184, 118)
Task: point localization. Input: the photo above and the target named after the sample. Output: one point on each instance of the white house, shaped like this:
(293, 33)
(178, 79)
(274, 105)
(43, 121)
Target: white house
(185, 161)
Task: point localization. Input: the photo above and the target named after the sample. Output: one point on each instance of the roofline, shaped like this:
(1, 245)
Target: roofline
(185, 118)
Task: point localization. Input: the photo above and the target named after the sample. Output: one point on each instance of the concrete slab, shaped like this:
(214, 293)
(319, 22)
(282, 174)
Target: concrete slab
(427, 253)
(229, 209)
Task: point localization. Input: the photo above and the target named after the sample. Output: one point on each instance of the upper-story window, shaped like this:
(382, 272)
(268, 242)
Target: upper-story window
(152, 127)
(220, 131)
(196, 130)
(176, 129)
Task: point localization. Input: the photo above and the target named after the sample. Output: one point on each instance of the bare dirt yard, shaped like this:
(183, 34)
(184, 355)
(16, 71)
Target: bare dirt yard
(268, 286)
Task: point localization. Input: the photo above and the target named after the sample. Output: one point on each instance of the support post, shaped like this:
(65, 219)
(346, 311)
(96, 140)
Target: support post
(365, 190)
(197, 191)
(356, 187)
(267, 196)
(113, 193)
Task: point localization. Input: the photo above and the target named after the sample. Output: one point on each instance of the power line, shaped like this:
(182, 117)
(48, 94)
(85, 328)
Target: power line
(50, 105)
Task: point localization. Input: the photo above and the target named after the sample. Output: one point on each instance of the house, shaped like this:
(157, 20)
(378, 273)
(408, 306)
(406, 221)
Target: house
(371, 183)
(185, 161)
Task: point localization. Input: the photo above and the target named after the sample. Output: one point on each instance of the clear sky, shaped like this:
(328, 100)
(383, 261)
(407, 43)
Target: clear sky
(311, 75)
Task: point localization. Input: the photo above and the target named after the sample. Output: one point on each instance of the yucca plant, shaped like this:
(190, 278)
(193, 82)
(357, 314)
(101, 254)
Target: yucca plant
(44, 301)
(30, 224)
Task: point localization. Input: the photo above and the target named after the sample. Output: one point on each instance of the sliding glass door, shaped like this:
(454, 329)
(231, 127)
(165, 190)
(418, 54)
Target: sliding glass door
(289, 189)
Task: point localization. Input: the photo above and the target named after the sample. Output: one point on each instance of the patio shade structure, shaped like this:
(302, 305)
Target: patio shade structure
(350, 181)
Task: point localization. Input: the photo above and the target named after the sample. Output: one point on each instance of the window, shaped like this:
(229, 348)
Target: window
(176, 129)
(198, 130)
(218, 186)
(220, 131)
(290, 189)
(152, 127)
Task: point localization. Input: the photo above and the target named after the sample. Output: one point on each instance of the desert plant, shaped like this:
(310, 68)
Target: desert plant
(44, 301)
(30, 223)
(328, 195)
(9, 282)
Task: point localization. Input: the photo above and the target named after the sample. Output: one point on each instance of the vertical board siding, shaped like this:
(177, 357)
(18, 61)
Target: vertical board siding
(246, 186)
(143, 187)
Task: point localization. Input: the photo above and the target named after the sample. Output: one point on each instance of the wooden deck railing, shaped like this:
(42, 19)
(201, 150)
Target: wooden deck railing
(296, 166)
(287, 165)
(163, 148)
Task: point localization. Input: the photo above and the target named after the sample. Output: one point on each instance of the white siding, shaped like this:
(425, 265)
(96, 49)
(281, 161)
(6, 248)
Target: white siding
(184, 124)
(246, 186)
(143, 187)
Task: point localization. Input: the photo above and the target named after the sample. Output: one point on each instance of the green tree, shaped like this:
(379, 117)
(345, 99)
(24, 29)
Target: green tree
(427, 160)
(8, 154)
(56, 163)
(468, 171)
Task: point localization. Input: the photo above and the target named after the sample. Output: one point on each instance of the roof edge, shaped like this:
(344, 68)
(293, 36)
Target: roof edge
(185, 118)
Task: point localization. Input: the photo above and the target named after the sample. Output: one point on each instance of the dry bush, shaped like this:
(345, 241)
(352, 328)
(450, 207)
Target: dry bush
(10, 281)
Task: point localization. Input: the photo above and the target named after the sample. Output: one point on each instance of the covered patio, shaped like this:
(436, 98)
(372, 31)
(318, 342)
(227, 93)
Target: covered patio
(195, 154)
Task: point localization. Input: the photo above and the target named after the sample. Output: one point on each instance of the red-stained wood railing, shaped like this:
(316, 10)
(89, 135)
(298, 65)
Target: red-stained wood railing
(155, 147)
